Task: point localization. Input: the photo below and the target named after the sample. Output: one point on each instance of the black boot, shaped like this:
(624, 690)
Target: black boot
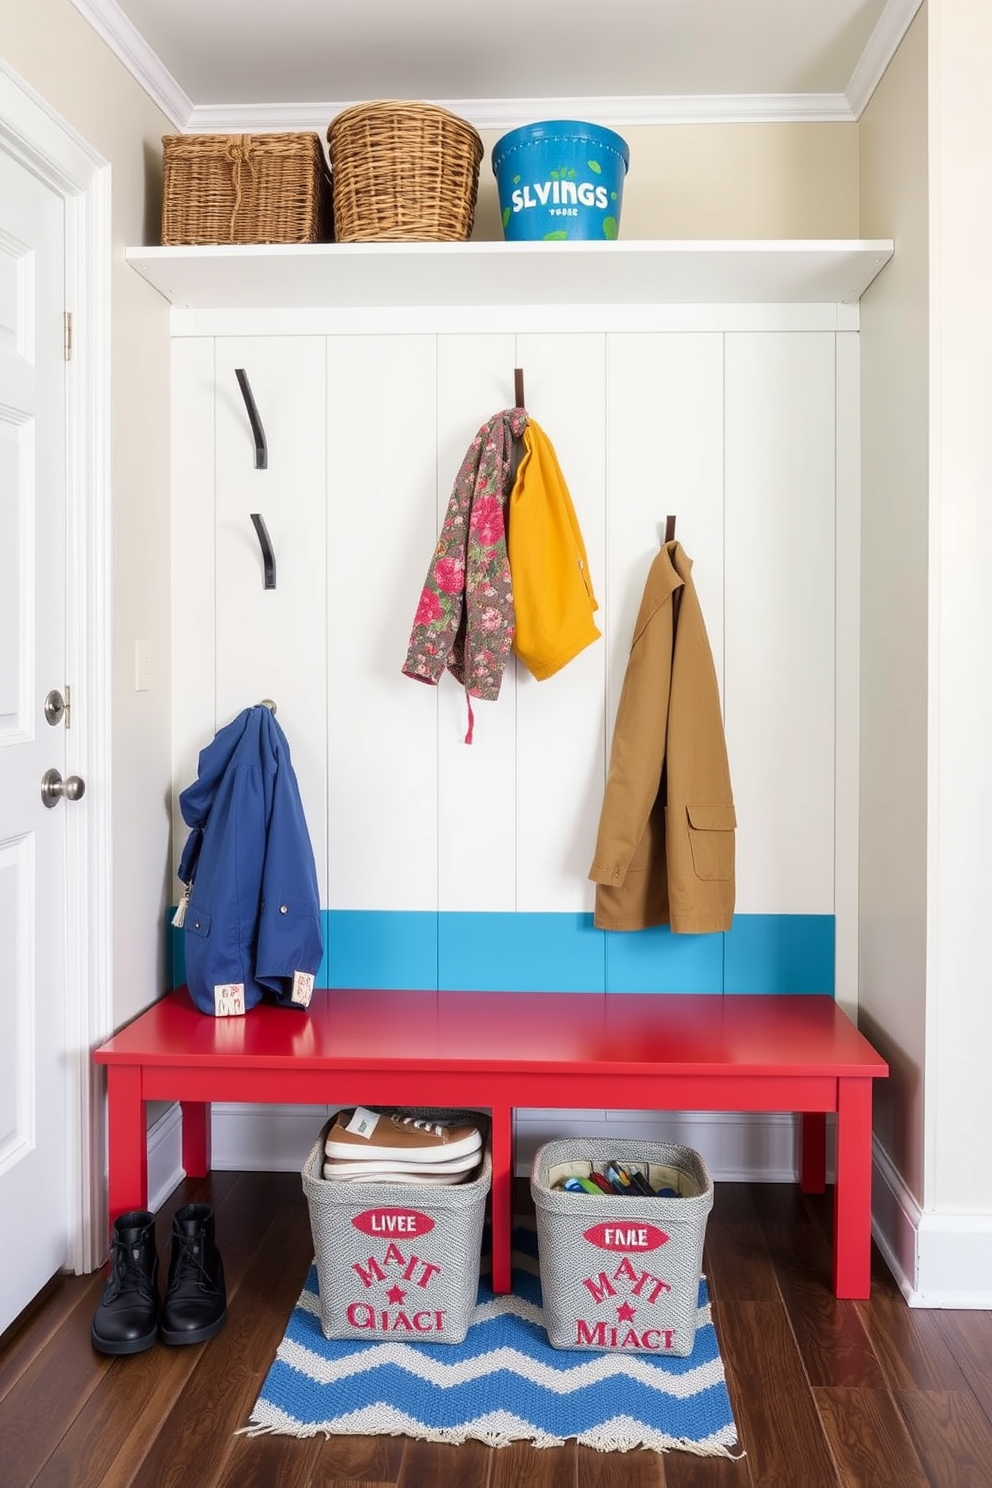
(126, 1321)
(195, 1306)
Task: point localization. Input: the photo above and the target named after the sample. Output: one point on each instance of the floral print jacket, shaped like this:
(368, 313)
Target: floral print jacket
(465, 618)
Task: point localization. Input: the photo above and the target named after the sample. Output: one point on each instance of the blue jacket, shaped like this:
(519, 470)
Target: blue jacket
(251, 910)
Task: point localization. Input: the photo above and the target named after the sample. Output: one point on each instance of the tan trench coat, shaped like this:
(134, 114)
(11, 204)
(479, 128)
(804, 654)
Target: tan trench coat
(665, 847)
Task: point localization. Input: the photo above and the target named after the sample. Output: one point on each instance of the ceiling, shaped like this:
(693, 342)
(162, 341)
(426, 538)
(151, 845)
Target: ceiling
(250, 64)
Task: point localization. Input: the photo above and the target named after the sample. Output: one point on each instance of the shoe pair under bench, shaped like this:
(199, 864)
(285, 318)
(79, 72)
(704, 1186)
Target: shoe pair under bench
(131, 1316)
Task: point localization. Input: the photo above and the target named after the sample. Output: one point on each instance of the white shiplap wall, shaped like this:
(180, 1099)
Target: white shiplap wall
(732, 423)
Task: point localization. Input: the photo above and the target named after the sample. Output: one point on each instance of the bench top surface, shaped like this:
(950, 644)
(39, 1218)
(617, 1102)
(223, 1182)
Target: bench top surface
(678, 1033)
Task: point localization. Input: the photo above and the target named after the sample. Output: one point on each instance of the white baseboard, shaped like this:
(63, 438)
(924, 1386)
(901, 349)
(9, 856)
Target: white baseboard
(165, 1157)
(267, 1139)
(938, 1260)
(760, 1147)
(736, 1147)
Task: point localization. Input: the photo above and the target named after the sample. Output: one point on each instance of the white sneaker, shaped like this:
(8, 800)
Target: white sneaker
(372, 1167)
(394, 1176)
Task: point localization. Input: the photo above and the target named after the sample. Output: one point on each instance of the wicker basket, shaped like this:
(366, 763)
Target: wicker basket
(245, 188)
(403, 172)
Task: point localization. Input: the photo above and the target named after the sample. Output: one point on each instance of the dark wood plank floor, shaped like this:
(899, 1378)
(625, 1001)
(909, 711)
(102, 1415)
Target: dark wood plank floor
(826, 1394)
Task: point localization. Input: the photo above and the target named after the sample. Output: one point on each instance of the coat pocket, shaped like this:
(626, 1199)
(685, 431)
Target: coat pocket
(198, 922)
(711, 838)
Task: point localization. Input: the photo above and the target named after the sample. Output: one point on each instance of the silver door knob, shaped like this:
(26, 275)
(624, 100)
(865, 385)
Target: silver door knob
(53, 788)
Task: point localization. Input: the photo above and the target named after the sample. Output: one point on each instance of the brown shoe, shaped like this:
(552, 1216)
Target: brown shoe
(360, 1133)
(359, 1166)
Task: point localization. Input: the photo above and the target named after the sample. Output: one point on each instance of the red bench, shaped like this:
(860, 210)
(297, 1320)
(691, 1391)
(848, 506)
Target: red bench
(511, 1050)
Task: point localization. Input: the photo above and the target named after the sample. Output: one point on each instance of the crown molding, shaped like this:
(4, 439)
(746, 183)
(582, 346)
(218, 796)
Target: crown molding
(511, 113)
(132, 50)
(884, 42)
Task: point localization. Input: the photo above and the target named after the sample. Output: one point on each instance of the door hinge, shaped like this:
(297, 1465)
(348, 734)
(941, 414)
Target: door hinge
(68, 335)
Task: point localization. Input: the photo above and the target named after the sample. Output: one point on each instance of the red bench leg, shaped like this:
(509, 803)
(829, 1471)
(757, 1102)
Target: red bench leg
(502, 1196)
(852, 1194)
(127, 1141)
(196, 1138)
(813, 1151)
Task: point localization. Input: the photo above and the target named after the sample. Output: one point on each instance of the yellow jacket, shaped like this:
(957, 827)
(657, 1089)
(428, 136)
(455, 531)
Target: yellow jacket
(665, 848)
(552, 591)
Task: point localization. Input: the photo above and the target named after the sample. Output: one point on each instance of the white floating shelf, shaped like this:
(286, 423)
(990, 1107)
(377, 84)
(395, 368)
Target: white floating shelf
(375, 275)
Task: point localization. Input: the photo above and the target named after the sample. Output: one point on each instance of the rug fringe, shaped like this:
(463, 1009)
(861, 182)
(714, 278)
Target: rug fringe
(260, 1428)
(448, 1436)
(670, 1444)
(598, 1442)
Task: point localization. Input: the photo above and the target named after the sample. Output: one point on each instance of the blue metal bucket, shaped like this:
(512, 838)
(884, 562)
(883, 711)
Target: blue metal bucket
(560, 179)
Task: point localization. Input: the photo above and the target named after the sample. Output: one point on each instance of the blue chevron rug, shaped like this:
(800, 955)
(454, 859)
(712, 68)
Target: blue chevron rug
(504, 1383)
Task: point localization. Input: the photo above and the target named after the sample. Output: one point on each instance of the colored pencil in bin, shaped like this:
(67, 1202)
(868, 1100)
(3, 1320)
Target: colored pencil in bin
(620, 1181)
(587, 1186)
(638, 1181)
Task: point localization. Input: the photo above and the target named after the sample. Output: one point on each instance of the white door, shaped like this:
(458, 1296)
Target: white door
(34, 1188)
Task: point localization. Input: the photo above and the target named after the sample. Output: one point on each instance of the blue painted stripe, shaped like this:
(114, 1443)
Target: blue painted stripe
(175, 951)
(780, 953)
(655, 960)
(476, 952)
(379, 948)
(520, 953)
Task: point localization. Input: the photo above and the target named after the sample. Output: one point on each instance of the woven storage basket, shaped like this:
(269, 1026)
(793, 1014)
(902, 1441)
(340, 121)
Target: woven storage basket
(621, 1274)
(372, 1238)
(403, 172)
(245, 188)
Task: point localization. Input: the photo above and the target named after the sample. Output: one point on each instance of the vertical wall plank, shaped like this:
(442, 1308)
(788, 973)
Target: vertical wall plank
(271, 642)
(780, 617)
(559, 748)
(477, 782)
(381, 530)
(848, 675)
(665, 456)
(193, 568)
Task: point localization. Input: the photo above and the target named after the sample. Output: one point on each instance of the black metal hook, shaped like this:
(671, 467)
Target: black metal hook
(268, 557)
(261, 451)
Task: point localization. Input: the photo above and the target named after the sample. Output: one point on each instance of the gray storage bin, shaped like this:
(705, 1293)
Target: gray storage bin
(621, 1273)
(420, 1239)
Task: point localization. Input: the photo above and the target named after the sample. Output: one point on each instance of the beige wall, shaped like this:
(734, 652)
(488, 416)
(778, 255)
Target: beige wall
(926, 790)
(724, 181)
(894, 559)
(60, 56)
(958, 1174)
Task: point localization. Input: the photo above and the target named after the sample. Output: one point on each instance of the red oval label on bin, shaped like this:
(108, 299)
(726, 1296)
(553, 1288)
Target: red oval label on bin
(628, 1234)
(393, 1222)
